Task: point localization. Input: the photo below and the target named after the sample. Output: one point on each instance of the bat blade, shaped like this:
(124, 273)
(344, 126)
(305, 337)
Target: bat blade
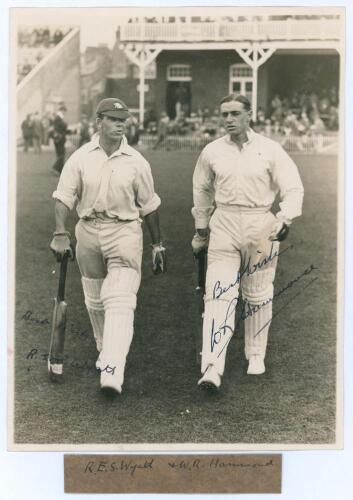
(57, 341)
(201, 259)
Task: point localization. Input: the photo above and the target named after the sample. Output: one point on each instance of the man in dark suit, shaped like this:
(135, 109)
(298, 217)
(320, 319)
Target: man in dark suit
(59, 137)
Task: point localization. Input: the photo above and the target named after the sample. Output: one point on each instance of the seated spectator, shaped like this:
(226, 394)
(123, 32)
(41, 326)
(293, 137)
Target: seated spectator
(332, 122)
(285, 105)
(58, 36)
(181, 124)
(317, 125)
(276, 109)
(193, 122)
(205, 114)
(46, 37)
(276, 102)
(26, 68)
(334, 96)
(261, 118)
(267, 128)
(324, 103)
(304, 123)
(291, 127)
(276, 127)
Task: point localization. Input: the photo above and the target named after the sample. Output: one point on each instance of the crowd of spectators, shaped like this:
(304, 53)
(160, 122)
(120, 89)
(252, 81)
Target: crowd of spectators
(302, 112)
(301, 115)
(40, 36)
(36, 131)
(33, 45)
(203, 122)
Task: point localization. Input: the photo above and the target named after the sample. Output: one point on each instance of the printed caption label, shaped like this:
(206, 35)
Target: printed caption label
(236, 473)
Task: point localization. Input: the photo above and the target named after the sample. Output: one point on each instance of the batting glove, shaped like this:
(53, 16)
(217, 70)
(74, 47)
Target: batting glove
(199, 243)
(159, 262)
(279, 231)
(61, 245)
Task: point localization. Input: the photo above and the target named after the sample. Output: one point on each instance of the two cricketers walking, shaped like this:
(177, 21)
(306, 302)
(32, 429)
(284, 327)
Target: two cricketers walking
(236, 180)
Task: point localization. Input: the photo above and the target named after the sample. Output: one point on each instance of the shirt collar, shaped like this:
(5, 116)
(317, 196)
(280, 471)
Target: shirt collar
(250, 134)
(124, 148)
(59, 113)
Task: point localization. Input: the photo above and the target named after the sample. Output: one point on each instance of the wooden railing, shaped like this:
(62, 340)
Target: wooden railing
(291, 29)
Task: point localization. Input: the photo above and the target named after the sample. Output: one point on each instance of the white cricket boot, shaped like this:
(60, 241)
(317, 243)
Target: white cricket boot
(256, 365)
(211, 380)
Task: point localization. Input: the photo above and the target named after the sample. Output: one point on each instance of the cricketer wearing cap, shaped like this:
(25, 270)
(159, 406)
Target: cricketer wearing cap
(112, 187)
(241, 174)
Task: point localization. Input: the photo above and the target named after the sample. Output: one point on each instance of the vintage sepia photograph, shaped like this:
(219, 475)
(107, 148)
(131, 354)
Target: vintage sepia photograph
(176, 208)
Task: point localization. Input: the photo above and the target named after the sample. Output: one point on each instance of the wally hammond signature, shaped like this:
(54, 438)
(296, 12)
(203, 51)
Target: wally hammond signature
(221, 334)
(247, 270)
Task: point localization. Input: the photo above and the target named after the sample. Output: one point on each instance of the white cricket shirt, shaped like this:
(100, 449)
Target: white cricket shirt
(120, 185)
(250, 177)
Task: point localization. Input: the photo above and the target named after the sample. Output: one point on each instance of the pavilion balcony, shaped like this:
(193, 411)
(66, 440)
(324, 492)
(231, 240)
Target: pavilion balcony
(286, 30)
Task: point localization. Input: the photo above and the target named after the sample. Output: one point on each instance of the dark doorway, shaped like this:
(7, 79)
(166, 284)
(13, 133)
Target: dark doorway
(178, 98)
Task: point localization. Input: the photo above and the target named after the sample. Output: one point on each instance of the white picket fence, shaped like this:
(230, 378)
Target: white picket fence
(323, 144)
(314, 144)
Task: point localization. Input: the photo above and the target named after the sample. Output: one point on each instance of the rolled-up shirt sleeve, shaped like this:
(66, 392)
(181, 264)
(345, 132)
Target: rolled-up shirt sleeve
(69, 183)
(203, 192)
(286, 176)
(147, 200)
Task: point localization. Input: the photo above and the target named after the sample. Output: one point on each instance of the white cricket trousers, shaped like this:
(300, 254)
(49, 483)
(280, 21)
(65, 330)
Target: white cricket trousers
(109, 255)
(240, 257)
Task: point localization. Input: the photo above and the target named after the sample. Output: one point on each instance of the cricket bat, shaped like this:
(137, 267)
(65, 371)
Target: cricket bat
(201, 260)
(57, 339)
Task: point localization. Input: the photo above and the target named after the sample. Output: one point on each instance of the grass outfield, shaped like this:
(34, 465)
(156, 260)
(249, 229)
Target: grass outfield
(293, 402)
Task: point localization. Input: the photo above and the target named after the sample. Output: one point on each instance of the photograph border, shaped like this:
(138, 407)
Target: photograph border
(188, 447)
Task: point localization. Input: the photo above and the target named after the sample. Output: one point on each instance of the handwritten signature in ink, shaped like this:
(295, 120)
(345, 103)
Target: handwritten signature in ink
(219, 333)
(248, 269)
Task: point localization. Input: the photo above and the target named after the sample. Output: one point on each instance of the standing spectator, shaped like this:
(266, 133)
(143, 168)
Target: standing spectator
(162, 131)
(37, 133)
(84, 131)
(45, 129)
(132, 131)
(59, 136)
(27, 132)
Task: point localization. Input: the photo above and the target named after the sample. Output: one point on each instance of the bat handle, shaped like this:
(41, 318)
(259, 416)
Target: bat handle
(62, 278)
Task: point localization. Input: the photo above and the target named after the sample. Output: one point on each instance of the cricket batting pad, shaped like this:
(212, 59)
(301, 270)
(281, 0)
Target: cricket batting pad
(257, 293)
(95, 308)
(118, 295)
(218, 323)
